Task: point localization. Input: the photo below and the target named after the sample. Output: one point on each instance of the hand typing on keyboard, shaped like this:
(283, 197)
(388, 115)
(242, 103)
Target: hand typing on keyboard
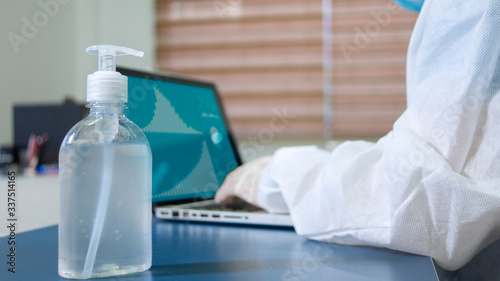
(242, 183)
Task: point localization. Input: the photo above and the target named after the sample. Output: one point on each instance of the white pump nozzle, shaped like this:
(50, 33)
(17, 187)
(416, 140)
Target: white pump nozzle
(107, 55)
(106, 84)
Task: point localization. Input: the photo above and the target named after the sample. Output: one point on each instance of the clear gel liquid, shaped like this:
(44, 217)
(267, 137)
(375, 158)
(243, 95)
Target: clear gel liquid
(125, 241)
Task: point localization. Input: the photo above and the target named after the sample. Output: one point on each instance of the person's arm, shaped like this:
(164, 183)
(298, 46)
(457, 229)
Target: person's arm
(432, 185)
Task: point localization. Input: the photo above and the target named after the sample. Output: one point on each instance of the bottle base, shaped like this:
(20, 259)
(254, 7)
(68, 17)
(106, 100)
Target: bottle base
(106, 271)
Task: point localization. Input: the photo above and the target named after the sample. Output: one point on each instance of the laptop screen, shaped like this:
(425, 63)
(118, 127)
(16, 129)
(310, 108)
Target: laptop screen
(185, 124)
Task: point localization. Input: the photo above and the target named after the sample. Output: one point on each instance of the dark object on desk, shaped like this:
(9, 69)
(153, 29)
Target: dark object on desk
(483, 267)
(55, 120)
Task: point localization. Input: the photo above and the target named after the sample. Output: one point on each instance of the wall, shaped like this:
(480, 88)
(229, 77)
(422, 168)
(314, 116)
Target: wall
(42, 47)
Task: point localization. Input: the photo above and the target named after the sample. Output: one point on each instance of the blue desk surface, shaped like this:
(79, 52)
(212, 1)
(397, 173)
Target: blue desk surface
(195, 251)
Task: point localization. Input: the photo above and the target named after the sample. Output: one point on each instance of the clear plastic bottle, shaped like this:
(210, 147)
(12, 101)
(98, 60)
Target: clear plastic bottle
(105, 171)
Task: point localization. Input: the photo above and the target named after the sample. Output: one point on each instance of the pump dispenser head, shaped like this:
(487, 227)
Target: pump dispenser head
(106, 84)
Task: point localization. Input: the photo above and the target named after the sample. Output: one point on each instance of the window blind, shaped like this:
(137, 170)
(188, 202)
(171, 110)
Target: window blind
(266, 59)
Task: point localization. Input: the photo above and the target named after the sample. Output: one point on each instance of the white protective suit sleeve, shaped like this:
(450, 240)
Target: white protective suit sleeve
(432, 185)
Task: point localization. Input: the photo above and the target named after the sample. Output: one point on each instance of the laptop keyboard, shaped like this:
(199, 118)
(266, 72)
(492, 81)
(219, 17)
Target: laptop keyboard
(212, 206)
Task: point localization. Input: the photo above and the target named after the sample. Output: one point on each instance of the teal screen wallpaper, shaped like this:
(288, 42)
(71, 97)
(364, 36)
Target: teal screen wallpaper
(192, 153)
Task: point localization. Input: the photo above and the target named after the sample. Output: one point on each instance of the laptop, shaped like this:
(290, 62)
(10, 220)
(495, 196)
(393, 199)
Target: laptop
(193, 148)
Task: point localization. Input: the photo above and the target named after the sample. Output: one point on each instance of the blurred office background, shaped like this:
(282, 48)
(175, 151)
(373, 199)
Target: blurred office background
(43, 42)
(306, 58)
(266, 55)
(337, 66)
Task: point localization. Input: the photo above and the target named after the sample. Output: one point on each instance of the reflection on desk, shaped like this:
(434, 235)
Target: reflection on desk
(196, 251)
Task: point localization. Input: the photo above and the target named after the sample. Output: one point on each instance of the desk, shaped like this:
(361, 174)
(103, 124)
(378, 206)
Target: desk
(196, 251)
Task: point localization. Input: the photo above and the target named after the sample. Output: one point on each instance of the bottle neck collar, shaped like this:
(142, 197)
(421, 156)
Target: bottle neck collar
(107, 108)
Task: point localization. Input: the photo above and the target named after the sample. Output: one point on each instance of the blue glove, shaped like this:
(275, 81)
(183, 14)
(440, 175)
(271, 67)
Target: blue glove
(412, 5)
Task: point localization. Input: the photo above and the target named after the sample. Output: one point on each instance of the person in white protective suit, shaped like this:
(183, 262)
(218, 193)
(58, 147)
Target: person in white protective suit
(431, 186)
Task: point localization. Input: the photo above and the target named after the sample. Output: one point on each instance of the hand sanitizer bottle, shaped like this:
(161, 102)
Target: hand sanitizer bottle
(105, 171)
